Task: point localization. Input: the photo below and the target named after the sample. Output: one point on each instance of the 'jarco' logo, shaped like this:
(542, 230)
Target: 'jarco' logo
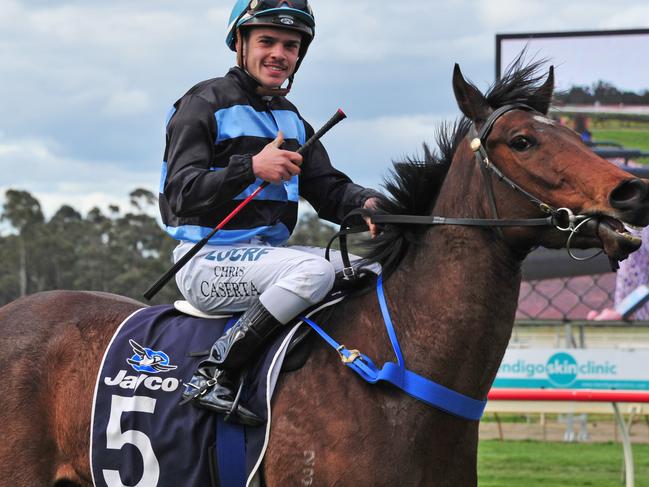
(145, 360)
(153, 383)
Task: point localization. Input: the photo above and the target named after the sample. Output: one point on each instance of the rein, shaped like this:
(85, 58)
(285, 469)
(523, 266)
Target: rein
(563, 219)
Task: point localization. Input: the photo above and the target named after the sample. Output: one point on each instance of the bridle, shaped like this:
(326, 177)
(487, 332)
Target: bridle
(563, 219)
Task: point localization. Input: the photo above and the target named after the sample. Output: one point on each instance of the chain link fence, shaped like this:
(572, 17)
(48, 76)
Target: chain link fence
(555, 297)
(565, 298)
(556, 287)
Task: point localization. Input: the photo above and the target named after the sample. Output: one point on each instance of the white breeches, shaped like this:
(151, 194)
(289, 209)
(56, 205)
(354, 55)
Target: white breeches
(287, 280)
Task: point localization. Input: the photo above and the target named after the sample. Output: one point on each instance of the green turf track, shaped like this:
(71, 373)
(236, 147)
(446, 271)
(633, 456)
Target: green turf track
(531, 463)
(632, 138)
(629, 138)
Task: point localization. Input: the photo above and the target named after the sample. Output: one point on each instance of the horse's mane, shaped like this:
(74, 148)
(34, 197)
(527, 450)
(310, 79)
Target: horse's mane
(414, 183)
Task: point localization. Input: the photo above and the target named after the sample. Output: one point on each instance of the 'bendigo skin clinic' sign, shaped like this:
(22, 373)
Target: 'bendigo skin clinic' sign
(553, 368)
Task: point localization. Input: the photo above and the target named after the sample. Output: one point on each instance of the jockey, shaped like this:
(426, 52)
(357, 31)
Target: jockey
(225, 137)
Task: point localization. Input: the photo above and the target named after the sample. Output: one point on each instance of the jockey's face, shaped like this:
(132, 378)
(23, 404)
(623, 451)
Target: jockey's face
(270, 54)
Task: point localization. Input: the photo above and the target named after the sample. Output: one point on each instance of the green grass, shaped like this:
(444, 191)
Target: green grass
(527, 463)
(511, 418)
(632, 134)
(535, 418)
(613, 123)
(631, 138)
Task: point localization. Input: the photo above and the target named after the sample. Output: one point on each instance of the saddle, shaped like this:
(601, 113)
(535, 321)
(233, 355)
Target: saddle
(299, 348)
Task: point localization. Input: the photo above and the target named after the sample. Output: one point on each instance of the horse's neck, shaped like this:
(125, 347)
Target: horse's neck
(454, 297)
(454, 301)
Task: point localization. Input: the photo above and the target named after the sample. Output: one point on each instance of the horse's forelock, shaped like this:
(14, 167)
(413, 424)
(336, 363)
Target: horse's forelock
(521, 83)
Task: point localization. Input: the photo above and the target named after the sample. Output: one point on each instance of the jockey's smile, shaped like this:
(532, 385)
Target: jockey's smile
(270, 55)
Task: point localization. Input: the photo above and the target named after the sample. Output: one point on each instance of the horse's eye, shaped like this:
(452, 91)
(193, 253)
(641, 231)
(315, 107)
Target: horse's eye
(521, 143)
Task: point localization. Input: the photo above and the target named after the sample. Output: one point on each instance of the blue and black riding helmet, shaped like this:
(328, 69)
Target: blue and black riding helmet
(293, 15)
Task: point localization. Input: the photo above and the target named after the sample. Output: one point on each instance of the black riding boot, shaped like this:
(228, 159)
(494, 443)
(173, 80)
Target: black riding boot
(213, 386)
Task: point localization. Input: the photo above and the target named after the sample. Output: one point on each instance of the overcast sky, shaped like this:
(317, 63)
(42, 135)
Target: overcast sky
(86, 85)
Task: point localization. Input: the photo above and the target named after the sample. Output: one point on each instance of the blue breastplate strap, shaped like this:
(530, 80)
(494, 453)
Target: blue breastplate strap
(419, 387)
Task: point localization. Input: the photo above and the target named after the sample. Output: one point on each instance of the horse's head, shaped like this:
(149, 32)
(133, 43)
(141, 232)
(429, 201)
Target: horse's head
(554, 171)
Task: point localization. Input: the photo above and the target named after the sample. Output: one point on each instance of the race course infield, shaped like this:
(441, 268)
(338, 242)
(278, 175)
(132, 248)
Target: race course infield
(513, 463)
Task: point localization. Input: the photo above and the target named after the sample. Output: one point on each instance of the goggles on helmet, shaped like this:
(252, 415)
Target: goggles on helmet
(262, 5)
(289, 14)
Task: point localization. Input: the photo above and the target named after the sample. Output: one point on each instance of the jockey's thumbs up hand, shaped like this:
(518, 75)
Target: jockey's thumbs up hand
(274, 164)
(279, 140)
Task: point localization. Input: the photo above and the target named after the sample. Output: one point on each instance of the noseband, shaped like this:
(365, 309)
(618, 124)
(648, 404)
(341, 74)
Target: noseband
(563, 219)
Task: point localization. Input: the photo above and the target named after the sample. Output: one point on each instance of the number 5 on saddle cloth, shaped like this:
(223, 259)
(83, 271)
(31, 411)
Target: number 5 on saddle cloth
(139, 433)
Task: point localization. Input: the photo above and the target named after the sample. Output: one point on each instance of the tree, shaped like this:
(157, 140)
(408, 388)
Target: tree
(21, 209)
(65, 230)
(142, 199)
(116, 253)
(312, 231)
(9, 272)
(23, 212)
(66, 214)
(605, 92)
(579, 95)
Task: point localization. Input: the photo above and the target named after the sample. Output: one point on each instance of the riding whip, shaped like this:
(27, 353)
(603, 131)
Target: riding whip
(153, 290)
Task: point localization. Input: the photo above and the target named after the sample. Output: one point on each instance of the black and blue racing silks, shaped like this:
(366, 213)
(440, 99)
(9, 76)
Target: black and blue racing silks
(212, 133)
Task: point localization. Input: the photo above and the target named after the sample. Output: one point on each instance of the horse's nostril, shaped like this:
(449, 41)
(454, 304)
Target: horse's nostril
(628, 194)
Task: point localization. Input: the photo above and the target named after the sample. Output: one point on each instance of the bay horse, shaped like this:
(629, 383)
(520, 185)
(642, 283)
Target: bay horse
(452, 291)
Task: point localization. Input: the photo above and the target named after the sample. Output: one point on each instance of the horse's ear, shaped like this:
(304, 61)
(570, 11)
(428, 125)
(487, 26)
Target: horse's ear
(543, 96)
(471, 102)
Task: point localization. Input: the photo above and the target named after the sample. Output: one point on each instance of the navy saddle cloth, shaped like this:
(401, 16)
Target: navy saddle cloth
(140, 435)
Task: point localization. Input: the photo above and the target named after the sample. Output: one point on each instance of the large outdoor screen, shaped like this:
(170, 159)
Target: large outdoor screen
(602, 84)
(581, 58)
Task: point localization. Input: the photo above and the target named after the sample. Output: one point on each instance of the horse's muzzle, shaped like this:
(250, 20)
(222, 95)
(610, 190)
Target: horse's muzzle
(616, 241)
(631, 200)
